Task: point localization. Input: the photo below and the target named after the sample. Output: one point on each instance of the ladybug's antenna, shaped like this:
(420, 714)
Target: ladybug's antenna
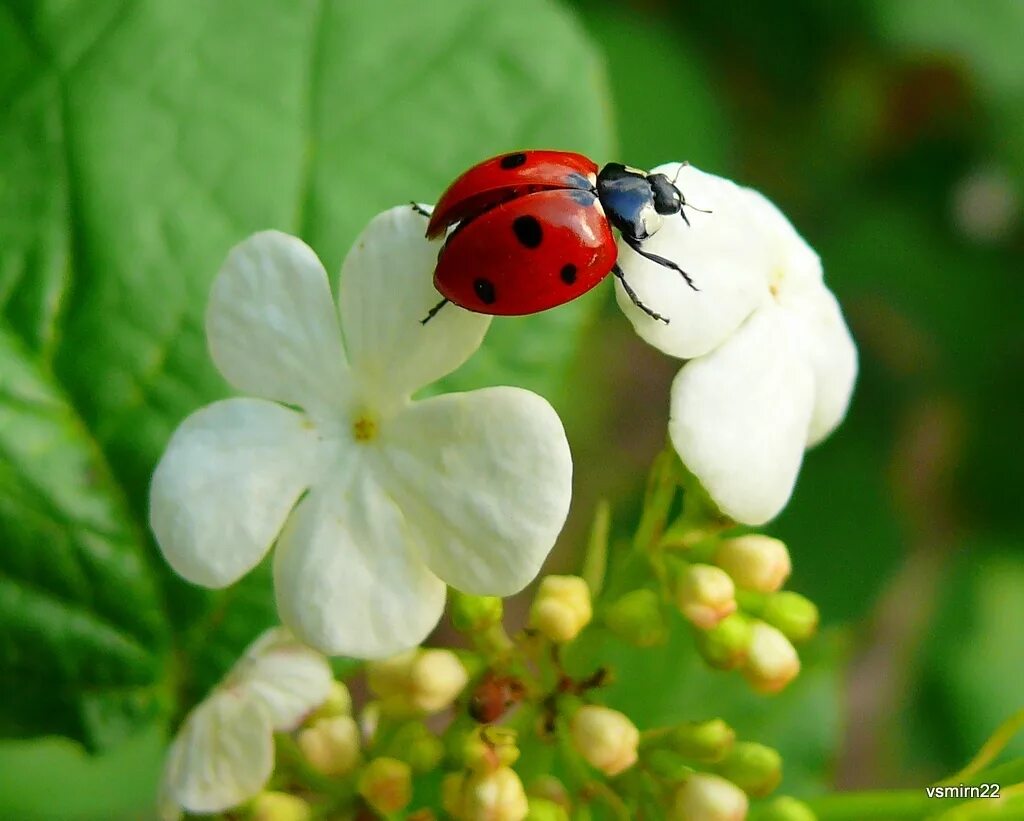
(682, 165)
(433, 311)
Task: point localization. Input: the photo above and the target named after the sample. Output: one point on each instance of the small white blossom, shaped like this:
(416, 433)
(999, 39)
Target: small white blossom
(224, 752)
(772, 362)
(379, 500)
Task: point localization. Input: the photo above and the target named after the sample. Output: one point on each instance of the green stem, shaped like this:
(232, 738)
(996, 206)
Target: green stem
(595, 561)
(990, 749)
(883, 805)
(662, 484)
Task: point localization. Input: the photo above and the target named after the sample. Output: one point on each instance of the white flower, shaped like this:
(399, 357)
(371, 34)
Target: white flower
(224, 752)
(772, 362)
(400, 496)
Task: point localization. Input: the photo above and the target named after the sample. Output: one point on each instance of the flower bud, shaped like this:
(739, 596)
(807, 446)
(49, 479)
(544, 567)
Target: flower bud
(279, 806)
(637, 618)
(488, 748)
(772, 662)
(471, 614)
(494, 796)
(795, 615)
(389, 677)
(755, 562)
(437, 679)
(786, 808)
(725, 646)
(754, 768)
(417, 681)
(453, 794)
(562, 608)
(709, 798)
(703, 741)
(606, 738)
(705, 594)
(551, 789)
(540, 809)
(414, 744)
(331, 745)
(337, 703)
(386, 785)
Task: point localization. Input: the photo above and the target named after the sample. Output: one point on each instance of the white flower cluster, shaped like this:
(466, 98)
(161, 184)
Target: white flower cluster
(771, 362)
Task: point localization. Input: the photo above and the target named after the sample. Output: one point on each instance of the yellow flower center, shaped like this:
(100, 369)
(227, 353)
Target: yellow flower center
(365, 428)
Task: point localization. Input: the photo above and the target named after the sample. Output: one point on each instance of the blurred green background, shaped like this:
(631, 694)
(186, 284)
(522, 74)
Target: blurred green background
(140, 139)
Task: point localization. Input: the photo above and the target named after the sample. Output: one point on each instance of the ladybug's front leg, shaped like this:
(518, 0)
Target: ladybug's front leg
(632, 295)
(667, 263)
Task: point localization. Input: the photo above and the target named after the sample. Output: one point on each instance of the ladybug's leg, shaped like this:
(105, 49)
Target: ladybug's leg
(419, 209)
(433, 311)
(667, 263)
(632, 295)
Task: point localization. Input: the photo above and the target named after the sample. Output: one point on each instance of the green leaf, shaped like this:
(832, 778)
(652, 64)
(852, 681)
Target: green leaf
(138, 142)
(83, 629)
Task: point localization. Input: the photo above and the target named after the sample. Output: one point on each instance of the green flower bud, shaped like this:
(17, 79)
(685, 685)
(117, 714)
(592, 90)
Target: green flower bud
(755, 562)
(540, 809)
(638, 618)
(386, 785)
(414, 744)
(550, 789)
(606, 738)
(705, 594)
(708, 798)
(562, 608)
(331, 745)
(279, 806)
(725, 646)
(795, 615)
(786, 808)
(703, 741)
(755, 768)
(470, 614)
(772, 661)
(417, 681)
(488, 748)
(337, 703)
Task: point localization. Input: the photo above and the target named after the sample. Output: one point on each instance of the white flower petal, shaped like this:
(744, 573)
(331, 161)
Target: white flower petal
(347, 579)
(386, 290)
(231, 473)
(740, 415)
(791, 263)
(725, 252)
(223, 754)
(271, 324)
(287, 677)
(821, 333)
(484, 479)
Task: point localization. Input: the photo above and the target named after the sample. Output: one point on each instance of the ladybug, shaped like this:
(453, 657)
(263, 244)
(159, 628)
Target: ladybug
(533, 229)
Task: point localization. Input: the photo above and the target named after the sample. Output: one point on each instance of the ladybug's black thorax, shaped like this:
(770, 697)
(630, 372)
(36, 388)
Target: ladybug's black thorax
(632, 200)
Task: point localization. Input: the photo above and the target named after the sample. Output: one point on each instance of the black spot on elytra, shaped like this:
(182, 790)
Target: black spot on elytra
(513, 160)
(485, 290)
(568, 273)
(528, 231)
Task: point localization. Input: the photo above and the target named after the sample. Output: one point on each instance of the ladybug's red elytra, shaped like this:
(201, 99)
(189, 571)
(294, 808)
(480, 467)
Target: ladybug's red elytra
(533, 230)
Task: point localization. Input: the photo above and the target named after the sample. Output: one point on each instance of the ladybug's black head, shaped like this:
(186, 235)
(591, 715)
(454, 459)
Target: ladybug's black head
(667, 198)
